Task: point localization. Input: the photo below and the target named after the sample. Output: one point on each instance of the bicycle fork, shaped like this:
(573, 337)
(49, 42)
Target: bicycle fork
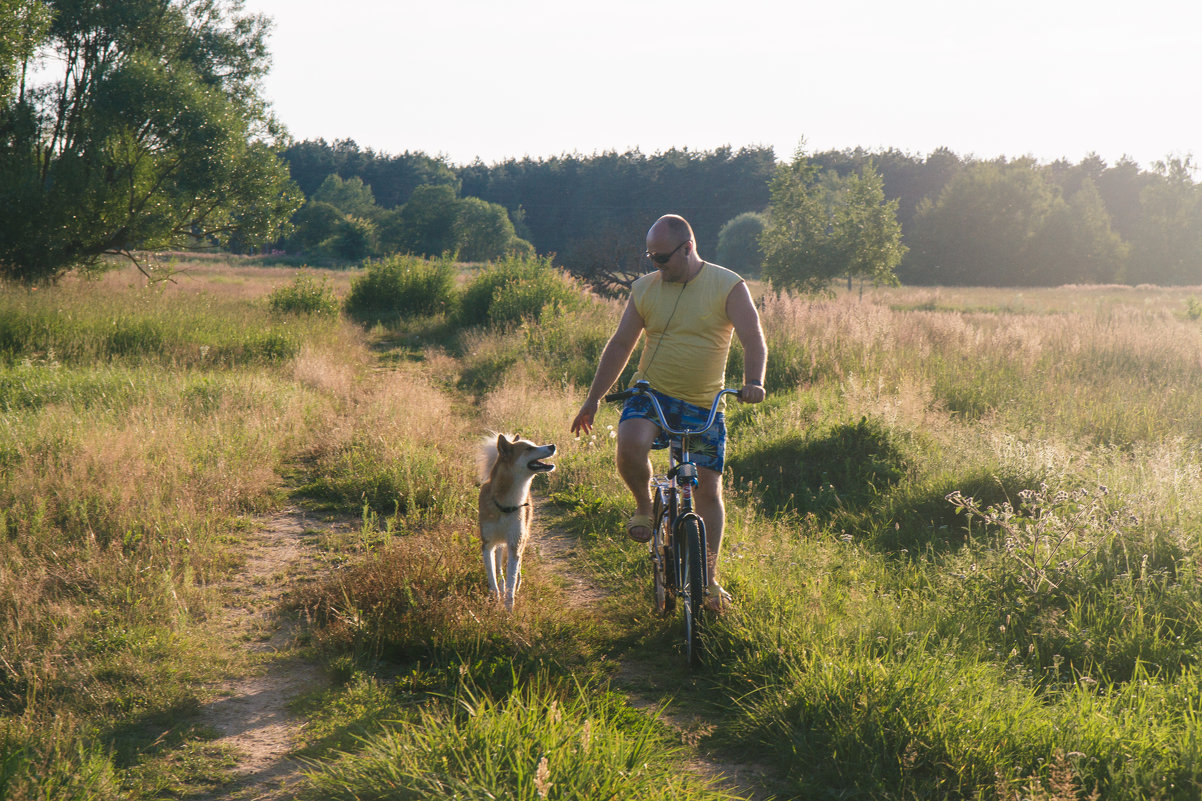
(686, 480)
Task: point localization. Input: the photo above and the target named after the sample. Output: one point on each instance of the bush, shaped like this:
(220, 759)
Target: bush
(827, 468)
(400, 286)
(483, 230)
(313, 224)
(1077, 585)
(354, 239)
(305, 295)
(739, 244)
(518, 288)
(519, 247)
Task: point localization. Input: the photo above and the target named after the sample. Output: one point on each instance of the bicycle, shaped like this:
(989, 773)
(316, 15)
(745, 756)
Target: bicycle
(680, 566)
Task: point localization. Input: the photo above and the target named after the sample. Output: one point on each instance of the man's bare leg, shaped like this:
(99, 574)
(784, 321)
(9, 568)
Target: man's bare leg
(707, 500)
(635, 436)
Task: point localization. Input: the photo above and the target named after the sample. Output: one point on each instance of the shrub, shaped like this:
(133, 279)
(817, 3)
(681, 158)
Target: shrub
(517, 288)
(313, 224)
(482, 230)
(1193, 309)
(400, 286)
(739, 244)
(570, 343)
(1077, 585)
(826, 468)
(354, 239)
(519, 247)
(305, 295)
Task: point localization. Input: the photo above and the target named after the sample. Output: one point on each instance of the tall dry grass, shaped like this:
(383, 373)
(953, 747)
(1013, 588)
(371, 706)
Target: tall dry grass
(1071, 374)
(397, 447)
(140, 427)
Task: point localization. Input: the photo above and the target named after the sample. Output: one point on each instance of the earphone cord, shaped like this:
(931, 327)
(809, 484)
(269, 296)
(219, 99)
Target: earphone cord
(664, 333)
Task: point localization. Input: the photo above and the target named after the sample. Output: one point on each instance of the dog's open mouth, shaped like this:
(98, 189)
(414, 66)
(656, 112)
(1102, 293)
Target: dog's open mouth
(539, 466)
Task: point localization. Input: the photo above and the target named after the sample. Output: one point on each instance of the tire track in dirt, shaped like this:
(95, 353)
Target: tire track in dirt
(250, 714)
(639, 680)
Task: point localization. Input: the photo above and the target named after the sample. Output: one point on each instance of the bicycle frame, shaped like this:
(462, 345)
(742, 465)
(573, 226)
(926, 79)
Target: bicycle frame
(675, 493)
(679, 551)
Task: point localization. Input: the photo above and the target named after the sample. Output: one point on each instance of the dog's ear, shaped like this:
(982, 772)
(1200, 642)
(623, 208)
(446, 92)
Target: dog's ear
(503, 445)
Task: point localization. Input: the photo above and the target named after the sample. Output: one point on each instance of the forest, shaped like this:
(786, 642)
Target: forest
(150, 135)
(965, 220)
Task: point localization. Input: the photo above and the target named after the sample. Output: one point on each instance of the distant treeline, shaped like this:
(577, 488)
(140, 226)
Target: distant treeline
(964, 220)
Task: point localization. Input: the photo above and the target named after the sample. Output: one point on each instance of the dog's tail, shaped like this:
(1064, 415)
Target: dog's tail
(486, 457)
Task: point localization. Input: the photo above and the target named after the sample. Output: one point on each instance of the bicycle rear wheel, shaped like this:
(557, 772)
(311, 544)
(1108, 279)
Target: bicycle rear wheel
(692, 557)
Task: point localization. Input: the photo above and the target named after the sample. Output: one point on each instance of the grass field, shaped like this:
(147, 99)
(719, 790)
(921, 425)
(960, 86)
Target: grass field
(963, 541)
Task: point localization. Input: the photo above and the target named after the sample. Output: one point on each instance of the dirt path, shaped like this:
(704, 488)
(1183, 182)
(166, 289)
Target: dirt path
(642, 681)
(251, 715)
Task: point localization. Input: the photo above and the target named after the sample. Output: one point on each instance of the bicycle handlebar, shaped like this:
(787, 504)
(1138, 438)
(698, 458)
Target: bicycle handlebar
(644, 388)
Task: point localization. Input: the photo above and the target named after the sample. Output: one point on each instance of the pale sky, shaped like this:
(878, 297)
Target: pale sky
(494, 79)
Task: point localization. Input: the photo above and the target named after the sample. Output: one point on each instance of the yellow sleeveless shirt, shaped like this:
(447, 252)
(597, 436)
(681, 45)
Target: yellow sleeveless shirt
(687, 332)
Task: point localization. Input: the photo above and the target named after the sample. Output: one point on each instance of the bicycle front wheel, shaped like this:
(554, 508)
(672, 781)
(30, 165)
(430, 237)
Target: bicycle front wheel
(692, 557)
(665, 598)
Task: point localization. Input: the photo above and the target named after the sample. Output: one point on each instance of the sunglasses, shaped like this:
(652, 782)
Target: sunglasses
(664, 258)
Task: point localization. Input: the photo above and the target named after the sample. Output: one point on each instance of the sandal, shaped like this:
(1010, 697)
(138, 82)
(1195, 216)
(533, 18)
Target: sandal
(637, 522)
(716, 598)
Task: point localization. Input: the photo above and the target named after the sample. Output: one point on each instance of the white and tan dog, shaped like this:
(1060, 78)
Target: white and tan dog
(507, 468)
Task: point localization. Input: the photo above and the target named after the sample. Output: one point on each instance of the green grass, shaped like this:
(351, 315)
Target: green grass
(137, 429)
(1042, 643)
(152, 328)
(544, 739)
(307, 294)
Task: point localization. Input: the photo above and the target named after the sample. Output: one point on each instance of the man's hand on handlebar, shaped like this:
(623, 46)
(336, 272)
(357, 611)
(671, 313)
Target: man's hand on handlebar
(751, 393)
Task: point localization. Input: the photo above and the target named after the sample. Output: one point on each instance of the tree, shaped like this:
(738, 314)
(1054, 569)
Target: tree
(392, 235)
(1097, 252)
(739, 243)
(1167, 246)
(428, 221)
(907, 178)
(354, 239)
(1121, 187)
(867, 229)
(980, 228)
(151, 134)
(314, 224)
(23, 23)
(593, 212)
(1075, 243)
(482, 230)
(821, 227)
(391, 178)
(351, 196)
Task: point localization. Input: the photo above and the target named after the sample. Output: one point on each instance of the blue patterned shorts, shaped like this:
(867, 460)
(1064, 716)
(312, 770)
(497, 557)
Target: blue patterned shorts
(707, 450)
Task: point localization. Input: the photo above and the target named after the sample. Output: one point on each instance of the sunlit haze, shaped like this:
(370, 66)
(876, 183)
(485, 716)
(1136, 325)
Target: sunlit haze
(472, 79)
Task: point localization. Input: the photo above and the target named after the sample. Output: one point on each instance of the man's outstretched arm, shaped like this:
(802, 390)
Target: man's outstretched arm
(613, 361)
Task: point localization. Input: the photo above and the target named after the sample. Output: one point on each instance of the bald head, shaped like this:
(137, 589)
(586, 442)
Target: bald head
(671, 227)
(671, 237)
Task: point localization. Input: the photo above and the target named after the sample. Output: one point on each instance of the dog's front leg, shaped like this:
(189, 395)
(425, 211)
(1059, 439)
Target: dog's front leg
(491, 566)
(513, 576)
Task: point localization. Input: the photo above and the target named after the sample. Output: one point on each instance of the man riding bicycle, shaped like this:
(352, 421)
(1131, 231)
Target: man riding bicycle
(688, 308)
